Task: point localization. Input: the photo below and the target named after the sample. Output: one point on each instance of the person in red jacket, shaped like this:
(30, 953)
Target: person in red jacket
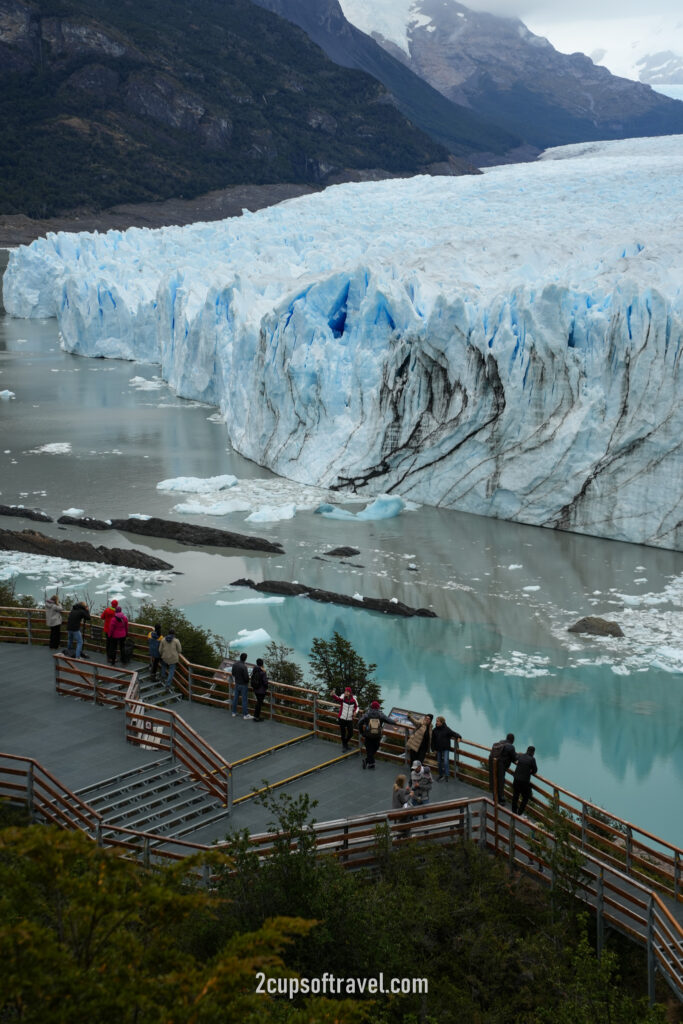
(348, 708)
(118, 631)
(106, 616)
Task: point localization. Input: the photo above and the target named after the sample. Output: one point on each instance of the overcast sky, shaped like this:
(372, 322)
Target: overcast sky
(560, 10)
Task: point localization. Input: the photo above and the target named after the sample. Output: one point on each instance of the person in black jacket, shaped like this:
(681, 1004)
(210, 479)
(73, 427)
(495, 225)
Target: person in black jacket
(521, 783)
(441, 745)
(240, 673)
(370, 727)
(502, 755)
(259, 684)
(78, 614)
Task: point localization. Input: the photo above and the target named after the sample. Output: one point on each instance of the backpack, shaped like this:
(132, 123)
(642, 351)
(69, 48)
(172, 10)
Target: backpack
(498, 748)
(373, 727)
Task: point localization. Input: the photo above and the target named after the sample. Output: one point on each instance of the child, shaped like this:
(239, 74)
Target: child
(153, 639)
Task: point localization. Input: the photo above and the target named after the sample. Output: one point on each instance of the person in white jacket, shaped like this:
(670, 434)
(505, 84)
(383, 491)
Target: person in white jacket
(53, 619)
(348, 709)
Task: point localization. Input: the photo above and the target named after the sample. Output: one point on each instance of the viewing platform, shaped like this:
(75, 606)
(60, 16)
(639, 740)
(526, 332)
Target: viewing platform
(161, 775)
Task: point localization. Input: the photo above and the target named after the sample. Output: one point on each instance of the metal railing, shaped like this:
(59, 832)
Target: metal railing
(617, 900)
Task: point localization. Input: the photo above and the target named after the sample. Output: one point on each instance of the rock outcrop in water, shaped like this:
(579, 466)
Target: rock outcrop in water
(596, 626)
(368, 604)
(195, 536)
(181, 533)
(35, 543)
(18, 512)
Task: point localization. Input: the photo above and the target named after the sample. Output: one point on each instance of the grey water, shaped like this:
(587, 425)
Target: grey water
(606, 716)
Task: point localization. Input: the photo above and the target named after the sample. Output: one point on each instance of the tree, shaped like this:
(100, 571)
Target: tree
(86, 934)
(200, 646)
(280, 668)
(335, 664)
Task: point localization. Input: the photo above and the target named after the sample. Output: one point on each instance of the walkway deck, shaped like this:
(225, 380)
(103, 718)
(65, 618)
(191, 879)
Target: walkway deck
(82, 743)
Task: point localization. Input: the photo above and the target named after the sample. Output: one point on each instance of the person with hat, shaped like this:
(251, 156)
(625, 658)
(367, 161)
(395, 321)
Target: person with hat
(370, 728)
(348, 709)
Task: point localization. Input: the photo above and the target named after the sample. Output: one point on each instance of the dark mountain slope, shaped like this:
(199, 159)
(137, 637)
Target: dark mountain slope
(104, 103)
(501, 70)
(464, 132)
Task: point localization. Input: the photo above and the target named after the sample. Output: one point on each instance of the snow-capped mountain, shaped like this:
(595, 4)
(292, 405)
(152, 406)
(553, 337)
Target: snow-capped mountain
(508, 344)
(501, 69)
(645, 49)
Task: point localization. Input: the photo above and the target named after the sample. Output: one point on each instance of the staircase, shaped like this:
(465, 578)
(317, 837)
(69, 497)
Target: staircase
(162, 798)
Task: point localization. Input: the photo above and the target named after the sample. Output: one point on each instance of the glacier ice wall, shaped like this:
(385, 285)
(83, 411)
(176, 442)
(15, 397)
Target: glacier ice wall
(508, 345)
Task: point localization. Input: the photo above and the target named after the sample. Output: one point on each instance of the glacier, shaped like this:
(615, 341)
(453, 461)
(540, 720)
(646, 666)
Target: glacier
(505, 344)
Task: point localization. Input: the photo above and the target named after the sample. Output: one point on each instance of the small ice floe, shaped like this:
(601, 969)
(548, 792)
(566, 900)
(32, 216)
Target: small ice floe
(386, 506)
(6, 395)
(139, 594)
(138, 515)
(250, 637)
(213, 508)
(54, 448)
(73, 512)
(252, 600)
(197, 484)
(146, 384)
(358, 597)
(216, 417)
(515, 566)
(272, 514)
(531, 588)
(393, 600)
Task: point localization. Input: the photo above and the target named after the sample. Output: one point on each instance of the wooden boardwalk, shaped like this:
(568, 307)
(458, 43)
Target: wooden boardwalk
(82, 743)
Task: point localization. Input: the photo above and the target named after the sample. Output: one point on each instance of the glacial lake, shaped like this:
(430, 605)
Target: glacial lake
(605, 715)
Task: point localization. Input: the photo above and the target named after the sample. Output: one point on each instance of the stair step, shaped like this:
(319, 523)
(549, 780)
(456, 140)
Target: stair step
(118, 779)
(160, 798)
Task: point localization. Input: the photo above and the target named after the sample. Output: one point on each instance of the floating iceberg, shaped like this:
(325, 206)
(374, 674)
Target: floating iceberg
(197, 484)
(386, 506)
(247, 638)
(272, 514)
(507, 344)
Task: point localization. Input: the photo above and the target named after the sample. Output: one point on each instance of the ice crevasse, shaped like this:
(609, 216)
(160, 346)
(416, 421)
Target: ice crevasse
(506, 344)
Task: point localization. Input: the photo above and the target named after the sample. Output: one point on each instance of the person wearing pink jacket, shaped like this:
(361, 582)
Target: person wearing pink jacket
(118, 631)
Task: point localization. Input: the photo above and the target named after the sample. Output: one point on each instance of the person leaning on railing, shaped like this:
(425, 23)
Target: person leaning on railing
(53, 620)
(77, 616)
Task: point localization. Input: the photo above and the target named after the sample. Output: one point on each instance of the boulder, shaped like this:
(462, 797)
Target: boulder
(596, 626)
(79, 551)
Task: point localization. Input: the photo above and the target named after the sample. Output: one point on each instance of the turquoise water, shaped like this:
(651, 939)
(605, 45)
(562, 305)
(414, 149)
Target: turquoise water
(606, 716)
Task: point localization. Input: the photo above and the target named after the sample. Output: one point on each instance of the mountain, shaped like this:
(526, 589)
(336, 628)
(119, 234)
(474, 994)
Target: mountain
(508, 344)
(104, 103)
(646, 49)
(504, 72)
(463, 132)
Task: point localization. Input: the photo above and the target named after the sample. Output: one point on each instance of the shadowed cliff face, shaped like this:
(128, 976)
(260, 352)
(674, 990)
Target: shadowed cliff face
(104, 103)
(500, 69)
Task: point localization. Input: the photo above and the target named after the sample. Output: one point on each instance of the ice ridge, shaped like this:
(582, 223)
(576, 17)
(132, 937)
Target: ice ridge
(508, 344)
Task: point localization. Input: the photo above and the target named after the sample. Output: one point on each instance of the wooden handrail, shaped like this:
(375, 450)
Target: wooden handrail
(667, 858)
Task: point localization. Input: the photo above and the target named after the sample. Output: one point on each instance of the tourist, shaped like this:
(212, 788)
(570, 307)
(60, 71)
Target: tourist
(153, 639)
(169, 652)
(521, 783)
(118, 631)
(106, 616)
(53, 619)
(419, 742)
(423, 786)
(240, 674)
(77, 616)
(441, 745)
(348, 709)
(370, 728)
(502, 755)
(400, 795)
(259, 684)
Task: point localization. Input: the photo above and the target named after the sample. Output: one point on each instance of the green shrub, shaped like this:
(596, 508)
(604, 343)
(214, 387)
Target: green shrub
(200, 646)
